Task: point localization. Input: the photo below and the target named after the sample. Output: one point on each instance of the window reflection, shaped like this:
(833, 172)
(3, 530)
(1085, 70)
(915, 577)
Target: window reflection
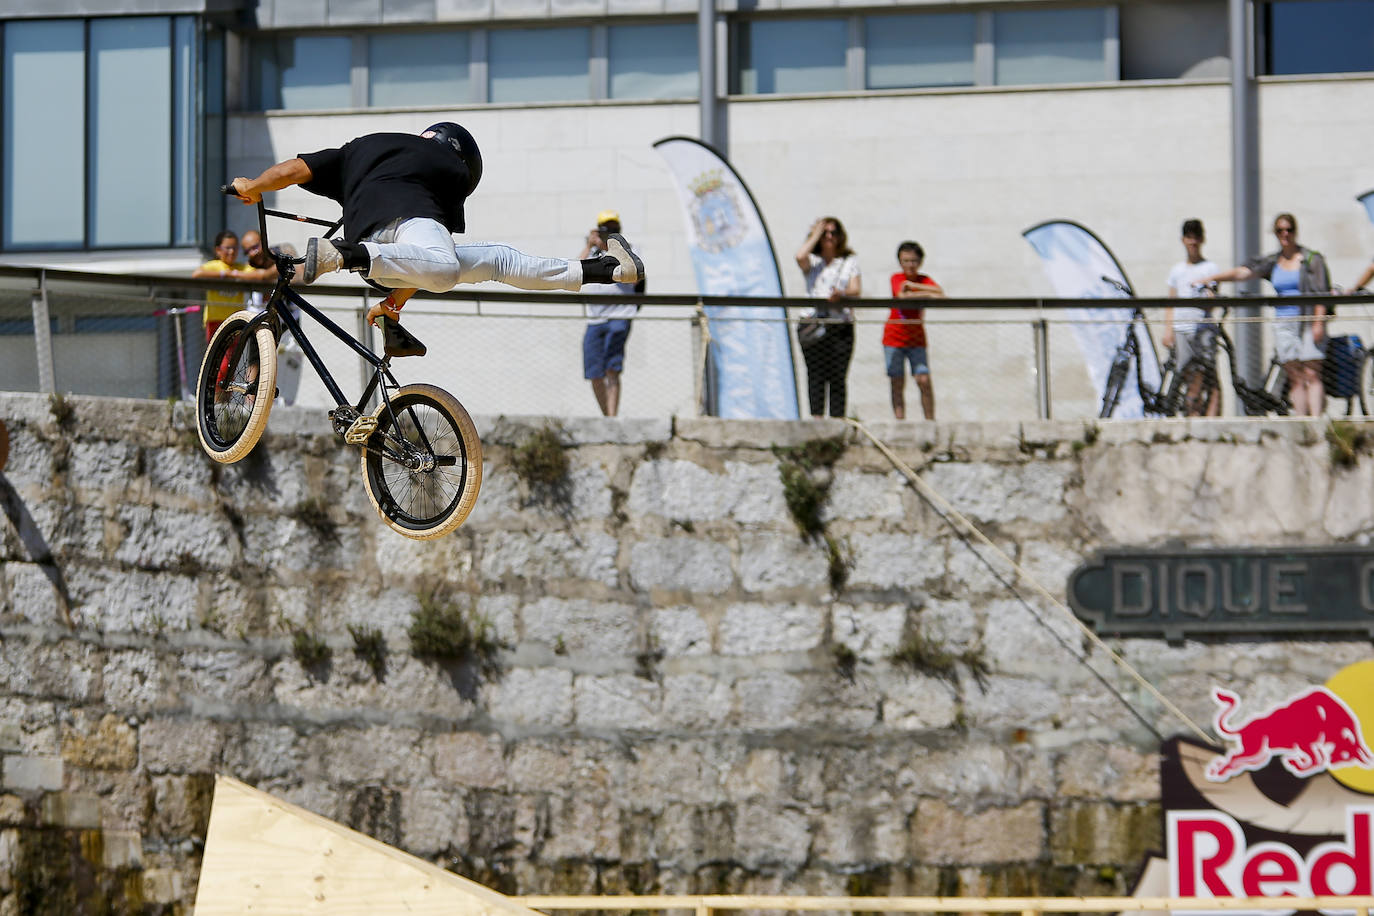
(1320, 36)
(1050, 46)
(654, 61)
(539, 65)
(418, 68)
(903, 52)
(792, 55)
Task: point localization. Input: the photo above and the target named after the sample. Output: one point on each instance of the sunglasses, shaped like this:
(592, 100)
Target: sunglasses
(1280, 230)
(834, 232)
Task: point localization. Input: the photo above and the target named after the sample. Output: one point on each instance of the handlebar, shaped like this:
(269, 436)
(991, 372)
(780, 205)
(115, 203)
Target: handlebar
(263, 212)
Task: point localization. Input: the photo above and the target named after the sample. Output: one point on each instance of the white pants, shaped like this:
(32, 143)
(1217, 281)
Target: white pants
(420, 253)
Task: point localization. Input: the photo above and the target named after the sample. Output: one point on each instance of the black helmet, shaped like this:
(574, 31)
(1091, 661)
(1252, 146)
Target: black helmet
(457, 138)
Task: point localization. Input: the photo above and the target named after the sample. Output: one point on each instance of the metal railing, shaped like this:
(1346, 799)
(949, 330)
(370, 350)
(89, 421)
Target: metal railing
(504, 352)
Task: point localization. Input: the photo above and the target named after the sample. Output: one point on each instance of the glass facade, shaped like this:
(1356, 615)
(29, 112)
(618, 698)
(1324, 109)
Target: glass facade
(653, 61)
(1050, 46)
(1318, 36)
(539, 65)
(303, 72)
(791, 55)
(911, 51)
(419, 68)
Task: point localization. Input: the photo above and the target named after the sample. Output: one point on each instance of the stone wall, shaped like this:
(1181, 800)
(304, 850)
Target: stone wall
(689, 695)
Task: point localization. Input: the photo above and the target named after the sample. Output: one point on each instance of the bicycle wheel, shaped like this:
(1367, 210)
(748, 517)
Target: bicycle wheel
(1366, 383)
(423, 465)
(232, 402)
(1112, 393)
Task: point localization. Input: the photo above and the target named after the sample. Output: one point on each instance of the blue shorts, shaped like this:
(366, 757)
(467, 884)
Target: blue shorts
(896, 356)
(603, 347)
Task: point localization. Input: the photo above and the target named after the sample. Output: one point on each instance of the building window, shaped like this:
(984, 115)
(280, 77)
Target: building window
(45, 114)
(654, 61)
(539, 65)
(910, 51)
(86, 104)
(791, 55)
(419, 68)
(302, 72)
(1318, 36)
(1050, 46)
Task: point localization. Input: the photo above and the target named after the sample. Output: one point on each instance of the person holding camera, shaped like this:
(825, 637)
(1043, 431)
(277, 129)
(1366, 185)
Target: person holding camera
(608, 326)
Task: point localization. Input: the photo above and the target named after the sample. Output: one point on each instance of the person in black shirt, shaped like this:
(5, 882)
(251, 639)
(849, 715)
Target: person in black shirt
(402, 197)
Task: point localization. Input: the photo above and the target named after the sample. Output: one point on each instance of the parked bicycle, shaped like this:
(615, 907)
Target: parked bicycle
(1161, 401)
(421, 458)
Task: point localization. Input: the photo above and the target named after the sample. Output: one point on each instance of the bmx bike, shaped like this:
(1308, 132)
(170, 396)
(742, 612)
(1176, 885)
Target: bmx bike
(421, 458)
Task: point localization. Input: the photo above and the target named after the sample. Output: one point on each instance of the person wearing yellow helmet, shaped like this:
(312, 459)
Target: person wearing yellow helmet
(608, 325)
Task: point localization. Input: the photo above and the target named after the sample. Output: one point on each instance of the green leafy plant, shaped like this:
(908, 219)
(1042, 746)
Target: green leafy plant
(923, 655)
(369, 646)
(62, 409)
(840, 558)
(1346, 441)
(311, 651)
(541, 461)
(805, 472)
(442, 631)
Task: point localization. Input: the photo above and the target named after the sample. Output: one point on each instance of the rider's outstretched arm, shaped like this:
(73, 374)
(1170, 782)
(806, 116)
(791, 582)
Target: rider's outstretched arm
(282, 175)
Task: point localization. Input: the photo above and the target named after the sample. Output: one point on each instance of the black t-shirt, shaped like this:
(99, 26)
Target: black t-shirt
(378, 178)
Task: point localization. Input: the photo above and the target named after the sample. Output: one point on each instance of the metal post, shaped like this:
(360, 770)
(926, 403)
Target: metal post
(1244, 179)
(364, 335)
(1040, 329)
(706, 52)
(42, 336)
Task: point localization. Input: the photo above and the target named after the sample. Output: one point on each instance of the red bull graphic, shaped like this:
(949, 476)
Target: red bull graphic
(1310, 733)
(1281, 806)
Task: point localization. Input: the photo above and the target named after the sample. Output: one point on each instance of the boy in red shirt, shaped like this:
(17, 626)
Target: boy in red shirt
(904, 335)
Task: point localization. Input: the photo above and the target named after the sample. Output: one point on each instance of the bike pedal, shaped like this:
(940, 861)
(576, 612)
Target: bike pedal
(361, 430)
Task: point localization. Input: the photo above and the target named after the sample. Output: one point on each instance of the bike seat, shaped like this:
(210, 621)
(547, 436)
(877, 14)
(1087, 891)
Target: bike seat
(397, 341)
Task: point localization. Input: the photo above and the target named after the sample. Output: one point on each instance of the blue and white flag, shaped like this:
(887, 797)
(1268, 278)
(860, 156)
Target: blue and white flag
(1367, 198)
(751, 370)
(1080, 266)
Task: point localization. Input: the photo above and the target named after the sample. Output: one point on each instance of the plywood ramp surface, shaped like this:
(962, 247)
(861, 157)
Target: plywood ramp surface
(266, 857)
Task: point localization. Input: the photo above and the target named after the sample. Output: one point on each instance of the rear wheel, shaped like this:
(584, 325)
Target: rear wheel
(232, 401)
(1365, 391)
(423, 465)
(1112, 393)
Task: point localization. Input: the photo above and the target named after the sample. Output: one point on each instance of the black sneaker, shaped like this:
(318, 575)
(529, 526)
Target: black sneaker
(629, 268)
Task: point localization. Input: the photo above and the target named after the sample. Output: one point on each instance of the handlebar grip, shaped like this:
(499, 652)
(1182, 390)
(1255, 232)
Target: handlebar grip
(228, 190)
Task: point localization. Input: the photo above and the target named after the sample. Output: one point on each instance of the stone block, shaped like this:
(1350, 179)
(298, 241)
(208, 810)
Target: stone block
(945, 835)
(679, 631)
(135, 601)
(98, 467)
(433, 821)
(761, 629)
(121, 849)
(895, 560)
(181, 472)
(26, 774)
(989, 492)
(134, 680)
(32, 593)
(530, 696)
(873, 632)
(697, 701)
(163, 885)
(768, 700)
(769, 562)
(108, 743)
(181, 805)
(761, 775)
(71, 810)
(583, 626)
(161, 538)
(542, 556)
(769, 837)
(863, 837)
(858, 496)
(468, 759)
(1088, 833)
(680, 490)
(618, 701)
(681, 564)
(180, 745)
(13, 811)
(1100, 770)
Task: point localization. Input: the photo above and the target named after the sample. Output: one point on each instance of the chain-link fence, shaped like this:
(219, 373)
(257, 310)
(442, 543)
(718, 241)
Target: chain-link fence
(510, 353)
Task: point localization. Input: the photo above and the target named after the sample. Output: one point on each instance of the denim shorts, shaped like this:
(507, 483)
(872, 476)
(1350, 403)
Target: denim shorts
(897, 356)
(603, 347)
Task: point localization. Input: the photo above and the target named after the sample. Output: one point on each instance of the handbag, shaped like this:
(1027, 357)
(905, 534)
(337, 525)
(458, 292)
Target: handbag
(811, 330)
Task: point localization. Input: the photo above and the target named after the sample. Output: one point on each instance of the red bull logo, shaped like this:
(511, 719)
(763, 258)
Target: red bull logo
(1310, 733)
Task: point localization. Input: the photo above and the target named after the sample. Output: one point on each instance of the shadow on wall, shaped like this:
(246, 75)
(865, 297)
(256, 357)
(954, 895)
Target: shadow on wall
(29, 535)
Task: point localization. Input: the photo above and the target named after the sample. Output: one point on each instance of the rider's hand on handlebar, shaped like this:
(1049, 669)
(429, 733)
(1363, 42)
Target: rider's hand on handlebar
(243, 192)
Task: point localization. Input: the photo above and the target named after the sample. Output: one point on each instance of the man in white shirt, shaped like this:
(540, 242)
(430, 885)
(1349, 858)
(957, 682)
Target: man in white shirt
(608, 326)
(1186, 327)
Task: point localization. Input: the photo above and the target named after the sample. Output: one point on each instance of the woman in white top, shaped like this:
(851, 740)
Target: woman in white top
(832, 274)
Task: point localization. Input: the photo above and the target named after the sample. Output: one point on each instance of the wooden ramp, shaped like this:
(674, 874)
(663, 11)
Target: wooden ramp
(266, 857)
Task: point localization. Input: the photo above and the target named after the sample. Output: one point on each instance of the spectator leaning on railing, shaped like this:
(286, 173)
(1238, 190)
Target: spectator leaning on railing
(225, 265)
(1186, 328)
(904, 335)
(1299, 330)
(826, 333)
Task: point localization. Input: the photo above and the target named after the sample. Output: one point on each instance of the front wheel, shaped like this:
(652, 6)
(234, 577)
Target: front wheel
(1115, 381)
(1366, 383)
(232, 401)
(423, 465)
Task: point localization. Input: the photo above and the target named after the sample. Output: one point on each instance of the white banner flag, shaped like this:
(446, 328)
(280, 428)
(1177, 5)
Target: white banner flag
(751, 369)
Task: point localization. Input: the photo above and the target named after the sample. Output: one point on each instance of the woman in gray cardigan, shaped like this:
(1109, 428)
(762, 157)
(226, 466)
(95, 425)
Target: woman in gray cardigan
(1299, 329)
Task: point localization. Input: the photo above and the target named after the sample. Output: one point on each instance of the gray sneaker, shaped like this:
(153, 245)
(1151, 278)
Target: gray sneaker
(321, 257)
(629, 268)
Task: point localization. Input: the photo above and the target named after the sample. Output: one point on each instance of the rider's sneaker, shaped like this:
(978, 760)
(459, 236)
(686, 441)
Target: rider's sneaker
(629, 268)
(321, 257)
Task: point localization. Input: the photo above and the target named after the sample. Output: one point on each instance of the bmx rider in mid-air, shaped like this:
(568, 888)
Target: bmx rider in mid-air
(402, 197)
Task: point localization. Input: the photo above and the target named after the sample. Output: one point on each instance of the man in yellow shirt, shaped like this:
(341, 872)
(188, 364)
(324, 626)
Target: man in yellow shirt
(226, 265)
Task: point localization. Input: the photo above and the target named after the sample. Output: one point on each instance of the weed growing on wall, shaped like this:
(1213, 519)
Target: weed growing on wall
(370, 647)
(309, 650)
(806, 472)
(443, 632)
(923, 655)
(313, 513)
(541, 461)
(1346, 441)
